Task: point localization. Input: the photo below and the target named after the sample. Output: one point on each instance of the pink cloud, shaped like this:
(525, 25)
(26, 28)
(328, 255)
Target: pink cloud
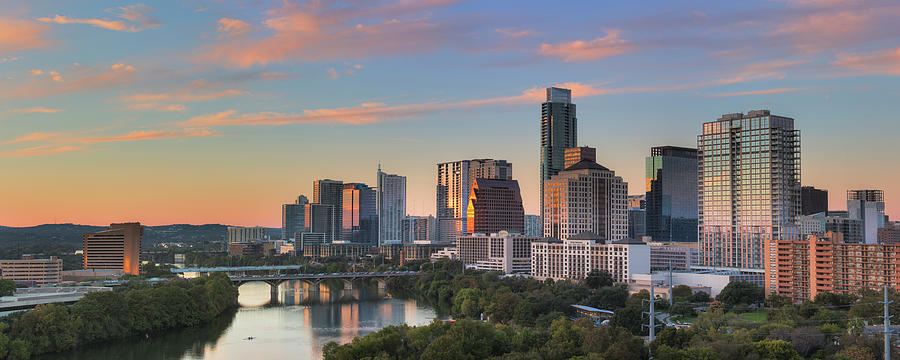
(35, 110)
(19, 35)
(599, 48)
(40, 150)
(149, 135)
(138, 14)
(755, 92)
(153, 106)
(197, 91)
(872, 63)
(82, 78)
(233, 27)
(823, 30)
(35, 136)
(322, 31)
(513, 32)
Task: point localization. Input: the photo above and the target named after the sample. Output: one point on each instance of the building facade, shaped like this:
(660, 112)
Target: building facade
(293, 217)
(454, 184)
(585, 197)
(116, 248)
(890, 233)
(391, 205)
(801, 269)
(813, 201)
(331, 192)
(494, 206)
(506, 252)
(867, 206)
(240, 234)
(533, 226)
(671, 194)
(360, 219)
(31, 269)
(559, 131)
(417, 229)
(749, 187)
(318, 223)
(574, 258)
(673, 255)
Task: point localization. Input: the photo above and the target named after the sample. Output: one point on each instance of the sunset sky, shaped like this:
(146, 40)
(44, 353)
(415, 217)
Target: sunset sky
(220, 111)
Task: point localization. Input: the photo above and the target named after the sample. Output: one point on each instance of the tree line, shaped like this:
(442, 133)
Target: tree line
(530, 319)
(136, 309)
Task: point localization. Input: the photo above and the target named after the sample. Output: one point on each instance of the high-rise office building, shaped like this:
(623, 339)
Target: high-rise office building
(293, 218)
(116, 248)
(585, 197)
(417, 229)
(360, 218)
(506, 252)
(454, 183)
(559, 131)
(391, 199)
(574, 155)
(318, 224)
(331, 192)
(749, 188)
(574, 258)
(671, 190)
(868, 207)
(494, 206)
(813, 201)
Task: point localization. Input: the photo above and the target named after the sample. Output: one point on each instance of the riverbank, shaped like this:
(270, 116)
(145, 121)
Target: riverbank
(138, 309)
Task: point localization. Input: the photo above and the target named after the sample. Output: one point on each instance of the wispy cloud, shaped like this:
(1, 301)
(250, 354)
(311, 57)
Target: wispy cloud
(198, 90)
(755, 92)
(35, 136)
(513, 32)
(80, 79)
(38, 109)
(136, 18)
(19, 35)
(596, 49)
(148, 135)
(883, 62)
(229, 27)
(316, 31)
(40, 150)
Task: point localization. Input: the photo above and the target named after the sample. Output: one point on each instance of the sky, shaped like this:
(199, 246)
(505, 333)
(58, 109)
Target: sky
(220, 111)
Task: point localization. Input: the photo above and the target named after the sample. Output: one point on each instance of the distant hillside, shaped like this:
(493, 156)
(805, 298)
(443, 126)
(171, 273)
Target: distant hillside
(72, 234)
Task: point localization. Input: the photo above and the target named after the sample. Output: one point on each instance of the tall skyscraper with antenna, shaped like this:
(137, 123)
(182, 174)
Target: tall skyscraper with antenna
(559, 130)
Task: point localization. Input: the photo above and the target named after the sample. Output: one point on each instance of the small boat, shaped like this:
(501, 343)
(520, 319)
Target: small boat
(249, 338)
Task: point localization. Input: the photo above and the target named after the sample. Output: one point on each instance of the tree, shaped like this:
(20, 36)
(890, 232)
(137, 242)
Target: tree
(597, 279)
(630, 318)
(739, 292)
(682, 308)
(807, 340)
(701, 297)
(609, 297)
(7, 287)
(682, 291)
(831, 299)
(775, 350)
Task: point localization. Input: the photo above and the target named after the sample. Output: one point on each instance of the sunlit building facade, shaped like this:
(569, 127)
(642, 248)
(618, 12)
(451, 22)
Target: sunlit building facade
(559, 131)
(116, 248)
(360, 219)
(495, 205)
(671, 191)
(391, 205)
(574, 258)
(585, 197)
(454, 183)
(749, 188)
(31, 269)
(506, 252)
(240, 234)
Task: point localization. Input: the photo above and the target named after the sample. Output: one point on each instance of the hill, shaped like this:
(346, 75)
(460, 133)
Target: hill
(71, 234)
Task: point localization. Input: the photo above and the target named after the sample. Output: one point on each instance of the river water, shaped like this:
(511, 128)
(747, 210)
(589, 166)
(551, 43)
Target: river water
(297, 327)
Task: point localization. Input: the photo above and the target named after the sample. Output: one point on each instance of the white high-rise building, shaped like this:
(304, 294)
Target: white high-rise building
(586, 197)
(575, 257)
(454, 184)
(391, 206)
(867, 206)
(749, 188)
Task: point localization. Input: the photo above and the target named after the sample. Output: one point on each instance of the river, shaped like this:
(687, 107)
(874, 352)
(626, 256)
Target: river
(296, 328)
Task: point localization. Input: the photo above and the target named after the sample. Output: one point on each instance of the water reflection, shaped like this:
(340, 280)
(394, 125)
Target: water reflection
(298, 326)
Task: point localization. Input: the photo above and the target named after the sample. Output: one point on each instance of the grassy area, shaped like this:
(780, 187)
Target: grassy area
(684, 319)
(755, 316)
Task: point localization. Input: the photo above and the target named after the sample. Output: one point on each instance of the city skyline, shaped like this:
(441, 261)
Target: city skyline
(196, 130)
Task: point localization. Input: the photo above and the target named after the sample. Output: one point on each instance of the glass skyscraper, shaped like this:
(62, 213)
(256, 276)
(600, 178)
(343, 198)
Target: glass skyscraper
(293, 218)
(671, 185)
(558, 132)
(454, 184)
(391, 200)
(360, 219)
(749, 188)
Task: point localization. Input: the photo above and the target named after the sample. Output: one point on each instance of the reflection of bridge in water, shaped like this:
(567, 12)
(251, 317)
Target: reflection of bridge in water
(274, 277)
